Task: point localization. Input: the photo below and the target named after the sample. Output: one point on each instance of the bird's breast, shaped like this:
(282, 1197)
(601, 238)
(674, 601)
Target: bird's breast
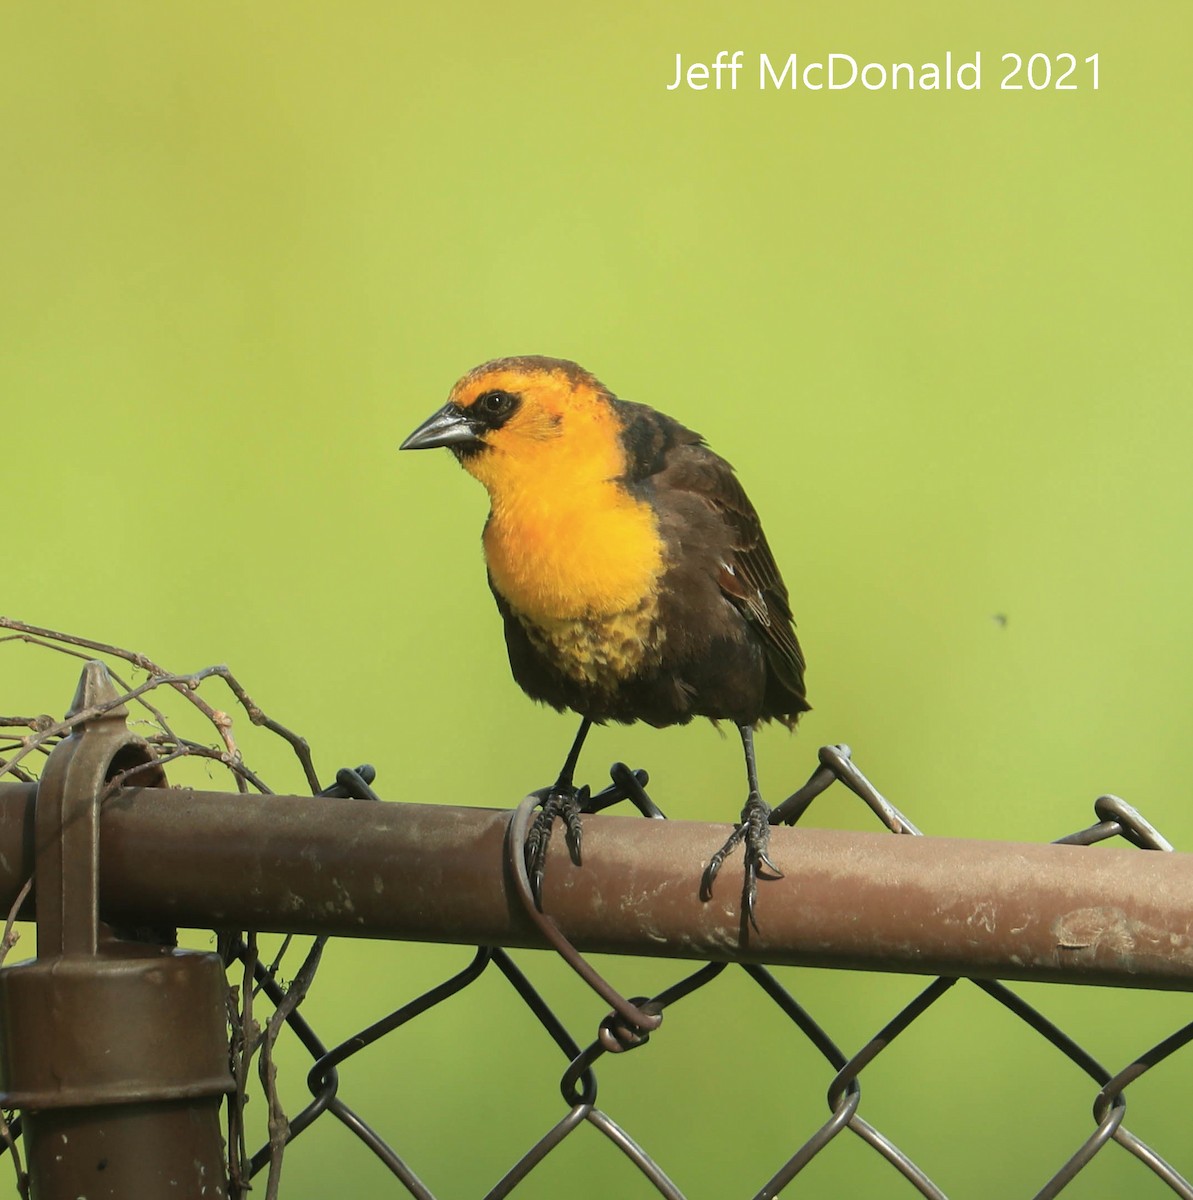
(600, 653)
(563, 553)
(580, 568)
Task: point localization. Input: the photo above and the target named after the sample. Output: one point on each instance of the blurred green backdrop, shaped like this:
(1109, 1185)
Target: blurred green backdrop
(944, 337)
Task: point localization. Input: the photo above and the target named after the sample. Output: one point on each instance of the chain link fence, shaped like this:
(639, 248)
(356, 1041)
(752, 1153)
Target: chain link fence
(1122, 941)
(630, 1023)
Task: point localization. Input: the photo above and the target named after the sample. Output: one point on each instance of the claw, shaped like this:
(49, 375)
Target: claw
(567, 806)
(568, 803)
(710, 875)
(718, 861)
(773, 872)
(754, 831)
(570, 811)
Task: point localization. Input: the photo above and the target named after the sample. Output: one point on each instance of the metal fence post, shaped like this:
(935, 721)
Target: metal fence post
(114, 1050)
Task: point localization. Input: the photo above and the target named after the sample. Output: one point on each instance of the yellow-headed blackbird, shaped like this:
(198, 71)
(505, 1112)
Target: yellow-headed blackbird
(629, 566)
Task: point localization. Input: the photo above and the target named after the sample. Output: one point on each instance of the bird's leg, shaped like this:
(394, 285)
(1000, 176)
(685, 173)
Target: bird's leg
(564, 800)
(753, 831)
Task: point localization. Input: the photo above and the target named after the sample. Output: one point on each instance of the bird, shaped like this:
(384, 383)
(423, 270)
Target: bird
(630, 569)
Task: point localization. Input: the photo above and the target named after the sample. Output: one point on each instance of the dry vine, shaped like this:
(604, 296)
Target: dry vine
(20, 753)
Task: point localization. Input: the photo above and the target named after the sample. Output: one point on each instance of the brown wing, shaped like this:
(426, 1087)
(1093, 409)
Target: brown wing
(751, 580)
(664, 453)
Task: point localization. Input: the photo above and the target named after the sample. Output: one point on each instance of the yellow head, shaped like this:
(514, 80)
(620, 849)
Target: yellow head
(516, 419)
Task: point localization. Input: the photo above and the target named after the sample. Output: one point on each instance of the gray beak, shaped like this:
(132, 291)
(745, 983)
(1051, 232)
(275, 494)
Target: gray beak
(450, 426)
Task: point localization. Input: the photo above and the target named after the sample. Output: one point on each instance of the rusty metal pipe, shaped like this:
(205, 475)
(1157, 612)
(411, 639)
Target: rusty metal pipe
(437, 873)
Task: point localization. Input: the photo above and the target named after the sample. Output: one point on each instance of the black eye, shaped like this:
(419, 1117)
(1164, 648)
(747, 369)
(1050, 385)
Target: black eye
(496, 405)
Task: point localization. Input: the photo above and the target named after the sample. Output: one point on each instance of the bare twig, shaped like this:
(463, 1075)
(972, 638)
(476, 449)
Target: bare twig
(11, 936)
(183, 749)
(20, 773)
(245, 1037)
(219, 719)
(14, 1149)
(279, 1126)
(271, 971)
(53, 639)
(91, 711)
(198, 750)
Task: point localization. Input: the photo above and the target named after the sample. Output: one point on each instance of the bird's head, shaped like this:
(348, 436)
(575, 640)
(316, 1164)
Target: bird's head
(514, 417)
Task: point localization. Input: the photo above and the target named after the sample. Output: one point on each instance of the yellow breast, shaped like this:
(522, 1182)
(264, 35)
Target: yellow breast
(574, 552)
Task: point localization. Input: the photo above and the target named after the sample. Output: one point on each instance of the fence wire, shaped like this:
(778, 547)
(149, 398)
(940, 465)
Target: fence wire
(631, 1022)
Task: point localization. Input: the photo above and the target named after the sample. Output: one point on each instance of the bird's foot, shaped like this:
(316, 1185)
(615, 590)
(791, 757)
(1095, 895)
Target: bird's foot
(566, 804)
(754, 832)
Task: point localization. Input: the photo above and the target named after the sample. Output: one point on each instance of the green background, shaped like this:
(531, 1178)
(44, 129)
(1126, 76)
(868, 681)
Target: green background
(944, 337)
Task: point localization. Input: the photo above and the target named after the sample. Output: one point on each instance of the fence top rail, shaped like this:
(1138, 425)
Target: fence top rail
(438, 873)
